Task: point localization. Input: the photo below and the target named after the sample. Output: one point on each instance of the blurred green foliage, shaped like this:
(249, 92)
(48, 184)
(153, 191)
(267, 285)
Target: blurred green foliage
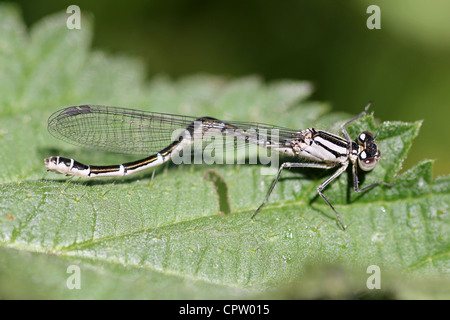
(404, 67)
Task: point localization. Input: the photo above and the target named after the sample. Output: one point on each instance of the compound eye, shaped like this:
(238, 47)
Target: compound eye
(365, 137)
(366, 163)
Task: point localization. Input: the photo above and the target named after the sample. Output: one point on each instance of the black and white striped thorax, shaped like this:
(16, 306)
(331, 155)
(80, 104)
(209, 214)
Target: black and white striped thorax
(322, 146)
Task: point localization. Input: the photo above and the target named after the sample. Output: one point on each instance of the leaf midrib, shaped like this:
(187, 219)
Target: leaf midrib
(80, 245)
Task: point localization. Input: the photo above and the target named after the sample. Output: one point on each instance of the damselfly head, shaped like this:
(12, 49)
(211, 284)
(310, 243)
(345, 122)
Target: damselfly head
(368, 153)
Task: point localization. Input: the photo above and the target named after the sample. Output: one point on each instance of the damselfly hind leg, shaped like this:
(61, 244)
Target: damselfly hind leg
(319, 189)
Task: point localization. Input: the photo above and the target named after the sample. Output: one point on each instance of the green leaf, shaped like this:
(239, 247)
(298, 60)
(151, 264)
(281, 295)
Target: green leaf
(159, 234)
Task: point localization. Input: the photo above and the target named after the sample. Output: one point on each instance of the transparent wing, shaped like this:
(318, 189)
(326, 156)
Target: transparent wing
(132, 131)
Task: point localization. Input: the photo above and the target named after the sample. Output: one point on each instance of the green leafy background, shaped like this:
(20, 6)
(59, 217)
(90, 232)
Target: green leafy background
(158, 235)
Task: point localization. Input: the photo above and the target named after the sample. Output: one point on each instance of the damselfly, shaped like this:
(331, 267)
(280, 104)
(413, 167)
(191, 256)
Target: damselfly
(131, 131)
